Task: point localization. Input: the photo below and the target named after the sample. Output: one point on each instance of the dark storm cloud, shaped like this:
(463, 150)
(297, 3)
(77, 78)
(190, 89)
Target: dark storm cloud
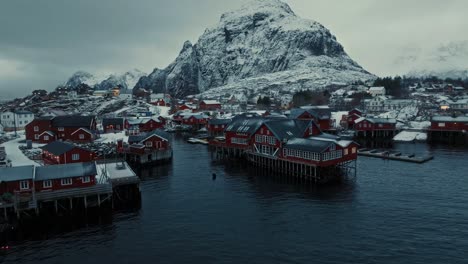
(44, 42)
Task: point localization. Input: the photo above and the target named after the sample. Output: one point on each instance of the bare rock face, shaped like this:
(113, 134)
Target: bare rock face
(250, 45)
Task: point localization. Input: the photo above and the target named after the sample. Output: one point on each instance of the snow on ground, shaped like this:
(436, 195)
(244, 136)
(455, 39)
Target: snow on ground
(112, 137)
(164, 110)
(420, 125)
(337, 116)
(408, 136)
(406, 113)
(16, 155)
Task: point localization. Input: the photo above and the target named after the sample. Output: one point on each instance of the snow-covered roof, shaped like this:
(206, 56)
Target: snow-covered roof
(210, 102)
(450, 119)
(377, 89)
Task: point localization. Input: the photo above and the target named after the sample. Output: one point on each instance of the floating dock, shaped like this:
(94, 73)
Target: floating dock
(394, 155)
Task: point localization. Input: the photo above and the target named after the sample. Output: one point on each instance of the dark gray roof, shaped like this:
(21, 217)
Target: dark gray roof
(320, 113)
(219, 121)
(450, 119)
(245, 125)
(44, 118)
(58, 147)
(288, 128)
(159, 132)
(327, 136)
(72, 121)
(22, 112)
(112, 121)
(317, 146)
(65, 171)
(16, 173)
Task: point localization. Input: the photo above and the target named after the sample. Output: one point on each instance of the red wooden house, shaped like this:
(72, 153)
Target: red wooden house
(448, 123)
(147, 147)
(16, 180)
(65, 176)
(319, 152)
(375, 124)
(197, 120)
(59, 152)
(321, 116)
(216, 127)
(113, 125)
(79, 128)
(140, 125)
(209, 105)
(155, 140)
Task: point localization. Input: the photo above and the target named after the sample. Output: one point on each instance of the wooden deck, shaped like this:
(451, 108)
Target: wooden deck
(394, 155)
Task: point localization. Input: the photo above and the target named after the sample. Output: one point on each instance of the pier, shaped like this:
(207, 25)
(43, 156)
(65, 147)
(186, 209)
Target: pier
(60, 189)
(394, 155)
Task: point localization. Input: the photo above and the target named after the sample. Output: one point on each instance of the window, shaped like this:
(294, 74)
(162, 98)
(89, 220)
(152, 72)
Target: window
(61, 129)
(271, 140)
(67, 181)
(380, 125)
(149, 144)
(86, 179)
(258, 138)
(353, 150)
(76, 157)
(242, 141)
(346, 151)
(46, 138)
(36, 136)
(36, 129)
(47, 184)
(333, 147)
(81, 136)
(24, 185)
(441, 124)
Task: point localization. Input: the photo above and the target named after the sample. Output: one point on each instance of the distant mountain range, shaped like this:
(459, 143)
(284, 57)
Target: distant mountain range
(125, 81)
(264, 45)
(448, 60)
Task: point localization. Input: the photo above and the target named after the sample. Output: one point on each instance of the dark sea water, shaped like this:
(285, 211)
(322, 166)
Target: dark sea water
(392, 212)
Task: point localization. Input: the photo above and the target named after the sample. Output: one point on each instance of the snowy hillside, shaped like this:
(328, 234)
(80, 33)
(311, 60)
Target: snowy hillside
(261, 45)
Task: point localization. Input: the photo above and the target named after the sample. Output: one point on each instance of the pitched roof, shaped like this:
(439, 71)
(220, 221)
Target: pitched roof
(320, 113)
(65, 171)
(288, 128)
(450, 119)
(245, 125)
(112, 121)
(375, 120)
(312, 145)
(72, 121)
(58, 147)
(219, 121)
(83, 129)
(16, 173)
(210, 102)
(143, 136)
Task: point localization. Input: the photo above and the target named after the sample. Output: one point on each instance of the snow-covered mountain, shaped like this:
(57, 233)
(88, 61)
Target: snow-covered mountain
(446, 60)
(126, 80)
(261, 45)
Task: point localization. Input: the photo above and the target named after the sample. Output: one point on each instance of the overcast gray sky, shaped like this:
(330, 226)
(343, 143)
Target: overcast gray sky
(43, 42)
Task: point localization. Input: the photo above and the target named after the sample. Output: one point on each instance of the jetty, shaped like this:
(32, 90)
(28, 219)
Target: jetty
(32, 190)
(394, 155)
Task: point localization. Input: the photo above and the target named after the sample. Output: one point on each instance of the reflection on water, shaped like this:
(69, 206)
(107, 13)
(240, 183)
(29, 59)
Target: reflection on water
(392, 212)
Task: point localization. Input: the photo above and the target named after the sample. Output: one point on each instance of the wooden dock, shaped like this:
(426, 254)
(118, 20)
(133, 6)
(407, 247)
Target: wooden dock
(394, 155)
